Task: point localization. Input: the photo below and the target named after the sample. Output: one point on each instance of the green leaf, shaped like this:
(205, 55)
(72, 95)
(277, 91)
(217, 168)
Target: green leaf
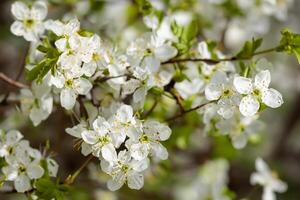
(290, 43)
(47, 190)
(40, 70)
(249, 48)
(190, 31)
(85, 33)
(231, 9)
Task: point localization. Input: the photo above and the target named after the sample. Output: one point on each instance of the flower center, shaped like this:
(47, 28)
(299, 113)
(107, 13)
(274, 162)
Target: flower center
(256, 92)
(69, 83)
(28, 23)
(144, 138)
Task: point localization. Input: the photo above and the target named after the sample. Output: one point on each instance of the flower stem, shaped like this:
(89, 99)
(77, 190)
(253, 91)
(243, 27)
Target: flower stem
(71, 178)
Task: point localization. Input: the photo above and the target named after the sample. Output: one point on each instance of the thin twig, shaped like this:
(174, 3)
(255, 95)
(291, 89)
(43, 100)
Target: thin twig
(11, 81)
(188, 111)
(151, 109)
(178, 101)
(216, 61)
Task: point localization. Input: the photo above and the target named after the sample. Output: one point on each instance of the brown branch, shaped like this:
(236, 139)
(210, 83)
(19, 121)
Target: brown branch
(211, 61)
(11, 81)
(178, 101)
(151, 109)
(188, 111)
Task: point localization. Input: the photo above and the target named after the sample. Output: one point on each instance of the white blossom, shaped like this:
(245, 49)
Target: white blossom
(268, 179)
(125, 170)
(29, 20)
(256, 92)
(148, 140)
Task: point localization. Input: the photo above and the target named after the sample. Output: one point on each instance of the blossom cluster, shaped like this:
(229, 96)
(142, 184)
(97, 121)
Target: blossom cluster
(22, 164)
(74, 62)
(123, 143)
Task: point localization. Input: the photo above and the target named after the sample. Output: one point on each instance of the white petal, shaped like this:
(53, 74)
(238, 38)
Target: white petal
(18, 28)
(39, 10)
(257, 178)
(152, 64)
(243, 85)
(272, 98)
(135, 181)
(61, 44)
(13, 136)
(101, 126)
(68, 98)
(226, 111)
(213, 91)
(11, 173)
(52, 167)
(151, 21)
(159, 151)
(109, 152)
(261, 166)
(268, 194)
(124, 113)
(279, 186)
(86, 149)
(140, 94)
(35, 171)
(31, 36)
(89, 68)
(114, 185)
(139, 151)
(20, 10)
(141, 165)
(82, 86)
(37, 115)
(90, 137)
(76, 130)
(165, 52)
(22, 184)
(239, 141)
(249, 106)
(203, 50)
(262, 79)
(164, 132)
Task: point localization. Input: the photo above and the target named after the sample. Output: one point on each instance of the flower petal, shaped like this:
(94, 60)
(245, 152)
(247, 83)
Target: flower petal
(90, 137)
(165, 52)
(20, 10)
(249, 106)
(242, 85)
(13, 137)
(113, 185)
(262, 79)
(18, 28)
(82, 86)
(68, 98)
(52, 167)
(35, 171)
(109, 152)
(124, 113)
(22, 183)
(135, 181)
(39, 10)
(272, 98)
(213, 91)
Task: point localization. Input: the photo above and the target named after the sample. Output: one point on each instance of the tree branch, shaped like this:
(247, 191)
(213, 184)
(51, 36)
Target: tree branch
(188, 111)
(11, 81)
(212, 61)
